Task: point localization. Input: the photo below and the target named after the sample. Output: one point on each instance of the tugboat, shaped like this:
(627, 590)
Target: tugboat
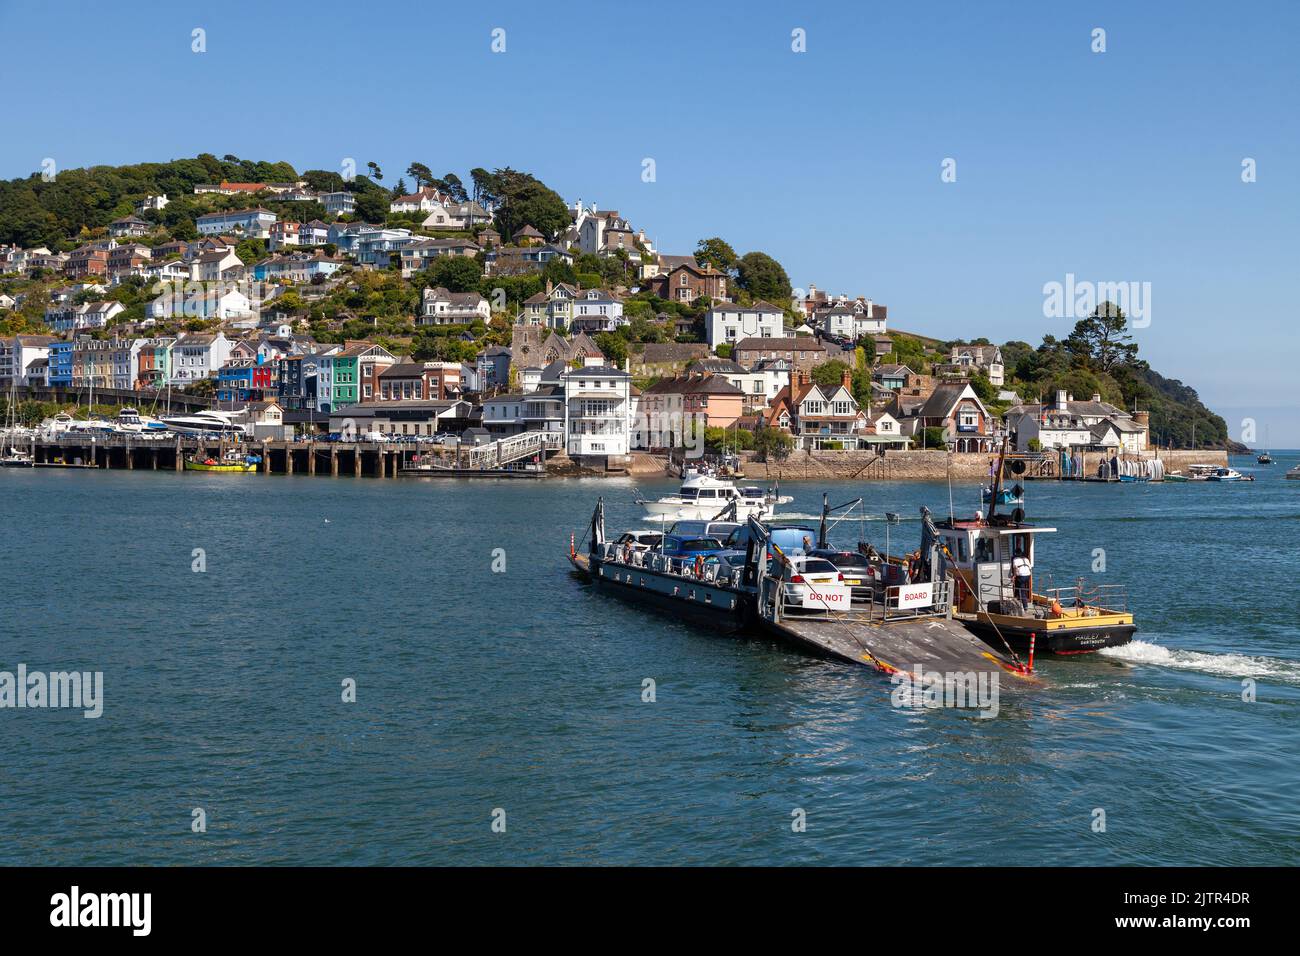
(701, 497)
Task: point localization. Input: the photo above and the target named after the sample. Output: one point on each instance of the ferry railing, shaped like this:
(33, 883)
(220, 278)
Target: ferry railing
(613, 553)
(880, 609)
(1085, 596)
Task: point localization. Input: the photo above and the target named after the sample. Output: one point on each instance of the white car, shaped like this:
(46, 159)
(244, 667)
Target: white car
(803, 577)
(640, 540)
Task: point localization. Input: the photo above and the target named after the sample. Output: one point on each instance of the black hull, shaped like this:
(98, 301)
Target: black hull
(696, 601)
(1077, 640)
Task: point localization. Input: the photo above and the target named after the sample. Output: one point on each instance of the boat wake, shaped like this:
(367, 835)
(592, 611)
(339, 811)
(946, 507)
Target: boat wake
(1223, 665)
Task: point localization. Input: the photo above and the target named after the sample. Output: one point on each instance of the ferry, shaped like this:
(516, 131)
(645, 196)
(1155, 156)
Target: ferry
(784, 595)
(230, 462)
(701, 497)
(207, 422)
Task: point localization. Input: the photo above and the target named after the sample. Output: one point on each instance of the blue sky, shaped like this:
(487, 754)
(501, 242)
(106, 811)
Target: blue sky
(1115, 166)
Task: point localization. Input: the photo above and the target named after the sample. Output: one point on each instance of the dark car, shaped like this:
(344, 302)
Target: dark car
(684, 549)
(858, 571)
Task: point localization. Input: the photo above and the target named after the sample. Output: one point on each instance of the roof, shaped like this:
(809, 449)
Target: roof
(655, 352)
(693, 385)
(945, 398)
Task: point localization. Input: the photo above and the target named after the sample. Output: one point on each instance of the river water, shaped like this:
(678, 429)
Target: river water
(514, 694)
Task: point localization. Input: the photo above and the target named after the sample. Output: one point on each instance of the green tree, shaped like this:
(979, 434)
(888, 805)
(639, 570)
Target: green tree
(421, 173)
(830, 374)
(773, 444)
(717, 253)
(763, 277)
(614, 347)
(455, 273)
(1103, 338)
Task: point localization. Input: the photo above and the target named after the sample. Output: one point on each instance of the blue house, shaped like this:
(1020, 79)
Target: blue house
(60, 363)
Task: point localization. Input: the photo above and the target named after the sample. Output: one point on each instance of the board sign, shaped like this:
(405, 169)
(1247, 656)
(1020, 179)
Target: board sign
(827, 597)
(915, 595)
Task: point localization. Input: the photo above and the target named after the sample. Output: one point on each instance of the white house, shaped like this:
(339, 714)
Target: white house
(597, 412)
(729, 323)
(246, 223)
(1067, 423)
(198, 355)
(440, 307)
(90, 315)
(20, 353)
(338, 204)
(422, 201)
(595, 310)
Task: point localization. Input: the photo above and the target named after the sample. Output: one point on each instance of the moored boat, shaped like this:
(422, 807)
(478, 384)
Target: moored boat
(702, 497)
(231, 462)
(1229, 474)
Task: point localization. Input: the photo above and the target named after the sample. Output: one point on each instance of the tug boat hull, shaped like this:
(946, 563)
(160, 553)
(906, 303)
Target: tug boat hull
(1051, 637)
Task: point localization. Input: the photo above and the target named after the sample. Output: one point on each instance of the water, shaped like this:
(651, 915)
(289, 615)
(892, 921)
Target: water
(522, 690)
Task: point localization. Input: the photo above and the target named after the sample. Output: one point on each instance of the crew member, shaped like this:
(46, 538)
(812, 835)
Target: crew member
(1024, 582)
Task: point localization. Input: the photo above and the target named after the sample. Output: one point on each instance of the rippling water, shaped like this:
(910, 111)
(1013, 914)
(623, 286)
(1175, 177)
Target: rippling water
(522, 690)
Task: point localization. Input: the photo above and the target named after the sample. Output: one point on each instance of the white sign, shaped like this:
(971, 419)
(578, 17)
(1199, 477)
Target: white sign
(827, 597)
(915, 595)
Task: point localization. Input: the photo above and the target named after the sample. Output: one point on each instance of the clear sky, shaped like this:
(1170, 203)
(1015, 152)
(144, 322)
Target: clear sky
(1117, 166)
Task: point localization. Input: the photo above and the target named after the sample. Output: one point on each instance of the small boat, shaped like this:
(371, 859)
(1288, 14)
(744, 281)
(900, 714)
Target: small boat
(1005, 496)
(233, 462)
(17, 459)
(1264, 458)
(1229, 474)
(1293, 473)
(1200, 472)
(702, 497)
(1176, 476)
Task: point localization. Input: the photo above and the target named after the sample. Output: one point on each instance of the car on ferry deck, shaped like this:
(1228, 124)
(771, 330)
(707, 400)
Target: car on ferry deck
(639, 540)
(803, 573)
(708, 529)
(684, 549)
(856, 568)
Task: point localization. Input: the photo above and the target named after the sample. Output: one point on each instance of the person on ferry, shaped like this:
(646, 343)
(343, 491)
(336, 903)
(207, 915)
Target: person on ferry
(1023, 572)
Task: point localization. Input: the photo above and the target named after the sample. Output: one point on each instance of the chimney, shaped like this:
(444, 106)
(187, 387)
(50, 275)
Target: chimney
(1060, 400)
(847, 380)
(1096, 396)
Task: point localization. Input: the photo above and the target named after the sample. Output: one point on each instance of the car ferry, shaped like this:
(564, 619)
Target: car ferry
(702, 497)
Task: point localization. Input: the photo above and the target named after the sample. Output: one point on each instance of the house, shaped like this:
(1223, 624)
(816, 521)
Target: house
(267, 419)
(244, 380)
(243, 223)
(986, 358)
(671, 406)
(18, 354)
(198, 355)
(891, 376)
(494, 367)
(216, 266)
(688, 281)
(403, 418)
(158, 202)
(440, 307)
(60, 369)
(532, 345)
(339, 382)
(597, 415)
(420, 254)
(298, 267)
(818, 416)
(521, 260)
(128, 259)
(377, 248)
(1069, 424)
(966, 423)
(423, 200)
(552, 307)
(727, 323)
(153, 362)
(338, 204)
(452, 216)
(850, 319)
(129, 227)
(595, 310)
(89, 260)
(759, 384)
(883, 432)
(89, 315)
(104, 363)
(541, 409)
(605, 234)
(802, 352)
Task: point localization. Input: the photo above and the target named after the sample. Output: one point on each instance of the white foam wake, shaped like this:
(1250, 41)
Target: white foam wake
(1225, 665)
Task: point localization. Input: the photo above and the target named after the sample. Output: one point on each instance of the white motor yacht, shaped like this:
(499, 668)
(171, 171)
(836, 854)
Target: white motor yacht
(701, 498)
